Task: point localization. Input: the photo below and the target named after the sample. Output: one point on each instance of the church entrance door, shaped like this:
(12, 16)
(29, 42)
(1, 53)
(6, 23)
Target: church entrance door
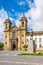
(14, 46)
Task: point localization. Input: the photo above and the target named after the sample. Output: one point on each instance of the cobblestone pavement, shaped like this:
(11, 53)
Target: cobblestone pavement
(10, 58)
(17, 63)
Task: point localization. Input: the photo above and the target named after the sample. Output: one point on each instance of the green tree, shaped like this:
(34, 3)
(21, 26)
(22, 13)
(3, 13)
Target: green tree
(25, 47)
(1, 45)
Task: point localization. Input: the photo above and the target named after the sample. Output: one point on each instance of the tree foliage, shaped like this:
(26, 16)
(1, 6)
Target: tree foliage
(25, 47)
(1, 45)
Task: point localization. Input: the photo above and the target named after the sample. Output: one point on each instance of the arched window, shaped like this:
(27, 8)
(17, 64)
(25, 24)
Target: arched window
(22, 23)
(6, 26)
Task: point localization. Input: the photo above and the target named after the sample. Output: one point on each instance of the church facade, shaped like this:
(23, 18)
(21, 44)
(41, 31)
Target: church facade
(15, 38)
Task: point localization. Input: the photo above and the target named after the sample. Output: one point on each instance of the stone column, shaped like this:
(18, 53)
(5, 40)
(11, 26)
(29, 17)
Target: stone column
(32, 46)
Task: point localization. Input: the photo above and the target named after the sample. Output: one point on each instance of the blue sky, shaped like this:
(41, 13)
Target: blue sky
(33, 10)
(15, 7)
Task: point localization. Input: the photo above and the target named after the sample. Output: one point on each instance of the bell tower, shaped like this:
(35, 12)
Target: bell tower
(23, 23)
(7, 27)
(23, 30)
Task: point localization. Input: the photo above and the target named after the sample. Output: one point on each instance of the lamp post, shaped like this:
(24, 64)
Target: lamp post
(31, 34)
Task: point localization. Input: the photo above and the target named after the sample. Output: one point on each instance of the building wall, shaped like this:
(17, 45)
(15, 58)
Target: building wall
(19, 40)
(20, 35)
(37, 38)
(23, 38)
(7, 40)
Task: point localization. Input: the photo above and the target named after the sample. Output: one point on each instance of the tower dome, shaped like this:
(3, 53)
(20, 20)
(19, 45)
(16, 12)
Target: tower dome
(23, 18)
(8, 20)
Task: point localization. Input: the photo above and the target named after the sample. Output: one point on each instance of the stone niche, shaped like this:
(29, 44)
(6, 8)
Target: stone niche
(31, 46)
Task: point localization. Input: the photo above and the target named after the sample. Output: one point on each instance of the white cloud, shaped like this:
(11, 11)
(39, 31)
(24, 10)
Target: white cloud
(29, 2)
(21, 3)
(11, 19)
(36, 13)
(12, 10)
(17, 22)
(3, 16)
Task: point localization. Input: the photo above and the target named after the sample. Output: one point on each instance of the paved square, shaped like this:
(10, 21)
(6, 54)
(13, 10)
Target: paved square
(10, 58)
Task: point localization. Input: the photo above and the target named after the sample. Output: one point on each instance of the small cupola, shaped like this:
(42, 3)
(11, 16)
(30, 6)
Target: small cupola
(23, 22)
(23, 18)
(7, 24)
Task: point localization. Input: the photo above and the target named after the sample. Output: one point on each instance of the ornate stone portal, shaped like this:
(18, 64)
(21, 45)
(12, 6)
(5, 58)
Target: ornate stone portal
(14, 44)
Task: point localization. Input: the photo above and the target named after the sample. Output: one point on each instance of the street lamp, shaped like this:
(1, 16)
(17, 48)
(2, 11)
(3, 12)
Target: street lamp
(31, 34)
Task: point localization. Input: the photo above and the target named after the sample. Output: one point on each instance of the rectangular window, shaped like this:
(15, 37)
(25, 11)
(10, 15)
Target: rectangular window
(27, 40)
(35, 39)
(39, 39)
(14, 34)
(40, 46)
